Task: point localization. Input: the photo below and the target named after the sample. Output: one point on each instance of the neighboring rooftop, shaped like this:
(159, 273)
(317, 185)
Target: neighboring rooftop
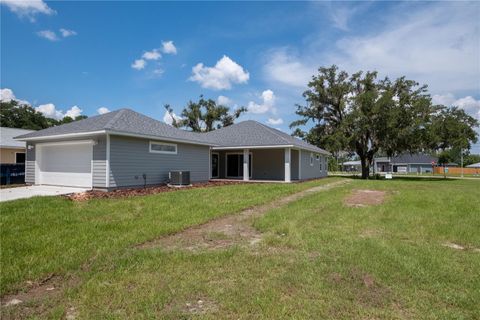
(122, 121)
(416, 158)
(7, 135)
(252, 133)
(474, 165)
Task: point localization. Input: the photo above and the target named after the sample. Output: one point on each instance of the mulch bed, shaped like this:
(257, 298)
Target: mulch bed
(121, 193)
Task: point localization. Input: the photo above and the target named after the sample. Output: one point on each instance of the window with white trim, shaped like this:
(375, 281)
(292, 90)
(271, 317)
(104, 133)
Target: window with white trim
(311, 159)
(321, 164)
(163, 147)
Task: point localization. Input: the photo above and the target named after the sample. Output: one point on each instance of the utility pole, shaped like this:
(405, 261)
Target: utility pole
(461, 157)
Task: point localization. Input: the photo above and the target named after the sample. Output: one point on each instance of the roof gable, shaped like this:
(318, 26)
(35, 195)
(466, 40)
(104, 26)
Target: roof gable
(123, 121)
(253, 133)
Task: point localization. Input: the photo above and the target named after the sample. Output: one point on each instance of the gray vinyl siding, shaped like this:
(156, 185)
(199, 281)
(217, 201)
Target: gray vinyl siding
(268, 164)
(294, 165)
(312, 171)
(98, 164)
(30, 164)
(130, 158)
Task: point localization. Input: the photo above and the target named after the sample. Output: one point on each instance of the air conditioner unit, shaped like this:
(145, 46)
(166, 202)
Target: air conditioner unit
(180, 178)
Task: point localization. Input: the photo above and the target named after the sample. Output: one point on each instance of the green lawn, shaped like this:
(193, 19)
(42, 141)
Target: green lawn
(318, 258)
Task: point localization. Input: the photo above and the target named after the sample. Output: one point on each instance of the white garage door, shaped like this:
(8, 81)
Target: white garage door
(65, 164)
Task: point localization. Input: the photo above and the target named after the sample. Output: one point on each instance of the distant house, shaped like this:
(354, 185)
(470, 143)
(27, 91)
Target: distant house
(474, 165)
(406, 163)
(125, 149)
(12, 151)
(352, 166)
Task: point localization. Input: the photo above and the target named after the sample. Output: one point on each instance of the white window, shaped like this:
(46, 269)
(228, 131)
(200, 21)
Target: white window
(321, 164)
(163, 147)
(311, 159)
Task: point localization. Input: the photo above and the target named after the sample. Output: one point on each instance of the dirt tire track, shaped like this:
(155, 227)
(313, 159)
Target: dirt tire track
(229, 230)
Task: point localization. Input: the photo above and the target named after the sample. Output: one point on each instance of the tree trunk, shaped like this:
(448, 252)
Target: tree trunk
(365, 167)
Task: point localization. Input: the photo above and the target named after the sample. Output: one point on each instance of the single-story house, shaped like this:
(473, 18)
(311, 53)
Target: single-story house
(406, 163)
(124, 148)
(12, 151)
(352, 166)
(474, 165)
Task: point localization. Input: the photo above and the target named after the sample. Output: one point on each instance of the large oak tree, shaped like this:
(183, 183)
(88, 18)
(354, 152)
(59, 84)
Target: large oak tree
(362, 114)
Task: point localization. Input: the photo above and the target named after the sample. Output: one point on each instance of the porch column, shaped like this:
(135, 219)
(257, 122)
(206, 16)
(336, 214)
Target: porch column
(288, 157)
(246, 160)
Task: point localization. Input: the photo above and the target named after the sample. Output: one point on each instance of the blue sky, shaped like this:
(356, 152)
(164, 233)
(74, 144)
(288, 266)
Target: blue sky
(79, 57)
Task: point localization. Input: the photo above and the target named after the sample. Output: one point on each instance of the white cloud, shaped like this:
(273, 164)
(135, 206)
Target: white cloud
(102, 110)
(224, 101)
(28, 8)
(411, 43)
(288, 69)
(67, 33)
(158, 72)
(7, 95)
(275, 122)
(50, 111)
(340, 17)
(48, 34)
(139, 64)
(468, 103)
(267, 105)
(152, 55)
(167, 117)
(73, 112)
(168, 47)
(225, 73)
(445, 99)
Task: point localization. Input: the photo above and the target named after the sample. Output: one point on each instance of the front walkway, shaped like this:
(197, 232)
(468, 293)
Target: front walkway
(32, 191)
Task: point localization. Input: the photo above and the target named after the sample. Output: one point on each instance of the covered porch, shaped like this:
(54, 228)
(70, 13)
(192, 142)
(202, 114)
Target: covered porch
(259, 164)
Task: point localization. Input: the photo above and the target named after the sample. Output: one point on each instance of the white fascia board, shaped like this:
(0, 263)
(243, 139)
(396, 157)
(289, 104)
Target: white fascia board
(157, 138)
(65, 143)
(64, 136)
(112, 132)
(253, 147)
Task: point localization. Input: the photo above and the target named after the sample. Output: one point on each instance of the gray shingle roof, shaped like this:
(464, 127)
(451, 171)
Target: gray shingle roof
(7, 135)
(253, 133)
(416, 158)
(246, 133)
(474, 165)
(123, 121)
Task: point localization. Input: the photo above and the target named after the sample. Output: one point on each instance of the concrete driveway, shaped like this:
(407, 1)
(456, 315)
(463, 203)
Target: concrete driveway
(32, 191)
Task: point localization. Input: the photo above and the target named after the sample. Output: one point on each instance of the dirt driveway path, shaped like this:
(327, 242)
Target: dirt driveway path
(229, 230)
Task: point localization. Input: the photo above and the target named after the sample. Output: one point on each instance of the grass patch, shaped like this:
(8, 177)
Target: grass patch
(44, 235)
(319, 258)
